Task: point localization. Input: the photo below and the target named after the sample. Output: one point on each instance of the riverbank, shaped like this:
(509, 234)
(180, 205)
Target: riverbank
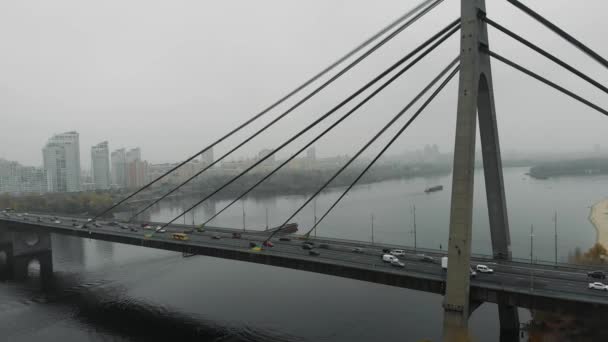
(599, 218)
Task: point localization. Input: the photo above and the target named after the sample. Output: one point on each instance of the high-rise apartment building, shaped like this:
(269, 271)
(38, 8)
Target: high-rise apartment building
(16, 178)
(136, 168)
(100, 166)
(119, 168)
(61, 159)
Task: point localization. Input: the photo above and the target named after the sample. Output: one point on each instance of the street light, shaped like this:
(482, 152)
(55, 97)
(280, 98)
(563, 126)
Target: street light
(531, 243)
(372, 219)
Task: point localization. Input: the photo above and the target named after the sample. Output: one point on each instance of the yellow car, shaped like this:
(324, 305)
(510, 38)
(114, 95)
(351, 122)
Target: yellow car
(257, 249)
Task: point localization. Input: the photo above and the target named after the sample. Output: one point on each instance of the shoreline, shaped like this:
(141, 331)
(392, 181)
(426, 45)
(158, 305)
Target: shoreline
(599, 218)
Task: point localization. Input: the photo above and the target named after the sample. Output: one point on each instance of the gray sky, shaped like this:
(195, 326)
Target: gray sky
(172, 76)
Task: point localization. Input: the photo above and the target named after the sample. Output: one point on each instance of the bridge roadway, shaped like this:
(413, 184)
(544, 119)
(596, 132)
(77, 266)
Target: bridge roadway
(533, 286)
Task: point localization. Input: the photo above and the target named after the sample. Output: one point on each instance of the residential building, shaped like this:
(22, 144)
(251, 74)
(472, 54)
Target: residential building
(136, 169)
(16, 178)
(119, 168)
(61, 159)
(100, 166)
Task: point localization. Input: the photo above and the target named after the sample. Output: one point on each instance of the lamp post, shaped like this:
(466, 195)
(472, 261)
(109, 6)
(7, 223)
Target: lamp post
(531, 243)
(243, 215)
(555, 227)
(372, 219)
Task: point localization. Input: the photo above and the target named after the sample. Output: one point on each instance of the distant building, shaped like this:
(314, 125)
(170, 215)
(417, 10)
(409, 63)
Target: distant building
(265, 152)
(207, 156)
(119, 168)
(100, 166)
(15, 178)
(61, 159)
(136, 168)
(311, 154)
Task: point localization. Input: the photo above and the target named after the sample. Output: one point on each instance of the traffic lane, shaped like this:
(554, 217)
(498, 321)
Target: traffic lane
(342, 255)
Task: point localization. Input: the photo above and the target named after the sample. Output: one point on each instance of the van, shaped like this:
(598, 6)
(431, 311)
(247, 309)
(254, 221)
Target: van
(389, 258)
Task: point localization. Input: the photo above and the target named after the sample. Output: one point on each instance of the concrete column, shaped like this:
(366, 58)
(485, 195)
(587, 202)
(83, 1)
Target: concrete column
(475, 94)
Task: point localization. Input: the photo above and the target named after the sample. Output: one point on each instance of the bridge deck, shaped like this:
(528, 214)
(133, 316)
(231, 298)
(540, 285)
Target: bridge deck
(529, 286)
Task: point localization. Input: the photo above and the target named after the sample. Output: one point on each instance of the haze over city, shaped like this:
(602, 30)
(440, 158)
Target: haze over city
(449, 181)
(172, 77)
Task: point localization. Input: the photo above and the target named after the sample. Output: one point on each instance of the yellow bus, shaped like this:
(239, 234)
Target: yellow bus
(180, 236)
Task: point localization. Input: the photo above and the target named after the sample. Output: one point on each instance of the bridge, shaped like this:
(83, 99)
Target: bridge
(514, 284)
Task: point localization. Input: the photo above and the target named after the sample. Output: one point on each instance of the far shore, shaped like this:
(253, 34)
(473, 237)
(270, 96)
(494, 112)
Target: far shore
(599, 218)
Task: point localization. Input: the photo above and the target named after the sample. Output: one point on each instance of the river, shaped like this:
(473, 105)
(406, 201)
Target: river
(110, 292)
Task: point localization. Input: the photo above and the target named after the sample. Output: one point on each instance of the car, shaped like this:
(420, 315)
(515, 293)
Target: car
(147, 226)
(160, 230)
(216, 237)
(113, 224)
(284, 238)
(397, 263)
(144, 225)
(309, 243)
(123, 226)
(313, 252)
(397, 252)
(484, 269)
(256, 249)
(357, 250)
(596, 275)
(324, 246)
(426, 258)
(200, 229)
(252, 244)
(19, 215)
(98, 225)
(236, 235)
(75, 224)
(598, 286)
(57, 222)
(25, 218)
(133, 229)
(268, 244)
(307, 246)
(472, 272)
(389, 258)
(38, 219)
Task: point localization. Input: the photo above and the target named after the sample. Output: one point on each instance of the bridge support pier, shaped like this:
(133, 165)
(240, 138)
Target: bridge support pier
(21, 248)
(475, 99)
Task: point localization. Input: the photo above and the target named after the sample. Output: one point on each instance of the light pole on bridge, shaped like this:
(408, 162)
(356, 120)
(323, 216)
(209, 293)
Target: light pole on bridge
(372, 219)
(555, 227)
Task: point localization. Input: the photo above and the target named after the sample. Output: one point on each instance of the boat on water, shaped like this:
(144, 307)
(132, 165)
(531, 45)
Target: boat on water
(289, 228)
(434, 188)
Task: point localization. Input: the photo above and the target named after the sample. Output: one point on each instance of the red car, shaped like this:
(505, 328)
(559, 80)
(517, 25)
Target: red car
(268, 244)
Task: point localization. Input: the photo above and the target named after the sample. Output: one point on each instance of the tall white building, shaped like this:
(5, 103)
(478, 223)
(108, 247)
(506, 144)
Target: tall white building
(61, 157)
(16, 178)
(100, 165)
(119, 168)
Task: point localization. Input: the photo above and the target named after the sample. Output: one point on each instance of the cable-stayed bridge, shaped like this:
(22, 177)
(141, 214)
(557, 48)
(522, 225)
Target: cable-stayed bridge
(515, 284)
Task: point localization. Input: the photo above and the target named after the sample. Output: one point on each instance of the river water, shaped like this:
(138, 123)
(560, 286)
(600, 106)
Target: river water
(110, 292)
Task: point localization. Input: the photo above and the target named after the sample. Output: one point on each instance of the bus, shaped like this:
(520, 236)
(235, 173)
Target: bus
(180, 236)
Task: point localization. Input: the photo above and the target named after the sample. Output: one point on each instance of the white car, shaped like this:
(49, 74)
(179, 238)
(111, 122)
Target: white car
(598, 286)
(397, 263)
(484, 269)
(389, 258)
(57, 221)
(397, 252)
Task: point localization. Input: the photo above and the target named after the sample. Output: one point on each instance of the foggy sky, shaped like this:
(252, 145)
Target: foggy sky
(172, 76)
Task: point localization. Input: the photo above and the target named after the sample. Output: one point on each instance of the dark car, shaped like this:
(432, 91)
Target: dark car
(386, 251)
(313, 252)
(596, 275)
(324, 246)
(284, 238)
(236, 236)
(252, 244)
(216, 237)
(133, 229)
(113, 223)
(307, 246)
(268, 244)
(75, 224)
(98, 225)
(357, 250)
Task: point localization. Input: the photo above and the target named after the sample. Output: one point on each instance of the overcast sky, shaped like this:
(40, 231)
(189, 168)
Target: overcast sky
(172, 76)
